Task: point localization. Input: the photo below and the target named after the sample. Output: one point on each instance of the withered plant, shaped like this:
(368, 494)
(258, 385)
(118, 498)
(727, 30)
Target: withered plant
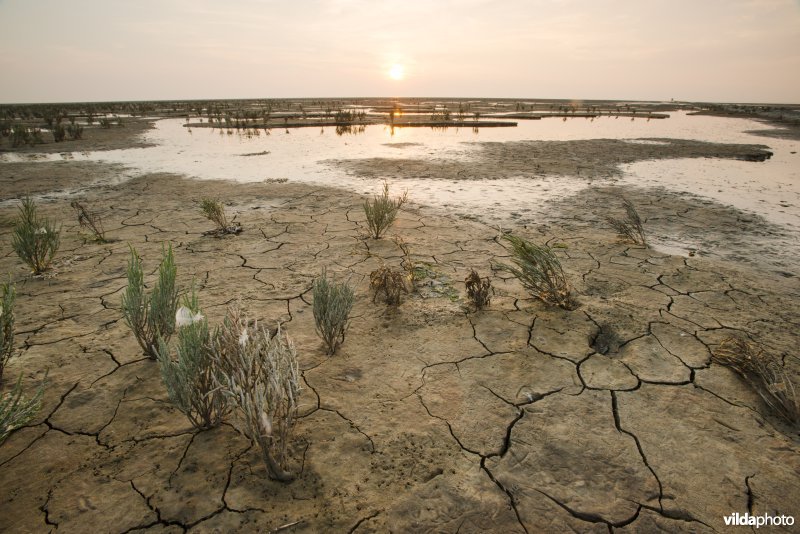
(215, 212)
(257, 372)
(478, 289)
(764, 373)
(89, 221)
(382, 211)
(631, 226)
(539, 270)
(390, 282)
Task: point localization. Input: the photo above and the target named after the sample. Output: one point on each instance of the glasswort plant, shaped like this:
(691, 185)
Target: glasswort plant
(333, 302)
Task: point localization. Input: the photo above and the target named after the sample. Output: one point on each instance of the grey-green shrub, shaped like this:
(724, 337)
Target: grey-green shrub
(539, 271)
(35, 239)
(151, 316)
(7, 295)
(189, 378)
(382, 211)
(17, 411)
(259, 375)
(333, 302)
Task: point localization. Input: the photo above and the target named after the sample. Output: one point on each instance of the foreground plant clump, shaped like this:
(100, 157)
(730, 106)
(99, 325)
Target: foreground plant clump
(35, 239)
(390, 282)
(382, 211)
(7, 296)
(333, 302)
(190, 378)
(539, 271)
(151, 316)
(16, 411)
(89, 221)
(764, 373)
(257, 372)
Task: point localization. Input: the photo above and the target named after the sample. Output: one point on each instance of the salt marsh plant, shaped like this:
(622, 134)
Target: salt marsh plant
(215, 212)
(90, 221)
(16, 411)
(333, 302)
(7, 296)
(260, 378)
(35, 239)
(382, 211)
(539, 271)
(75, 131)
(151, 316)
(631, 226)
(388, 281)
(764, 373)
(189, 378)
(478, 289)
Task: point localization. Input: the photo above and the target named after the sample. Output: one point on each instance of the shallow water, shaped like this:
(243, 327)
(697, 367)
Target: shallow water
(770, 189)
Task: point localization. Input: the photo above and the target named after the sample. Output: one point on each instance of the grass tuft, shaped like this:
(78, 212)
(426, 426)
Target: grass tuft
(764, 373)
(631, 226)
(539, 271)
(478, 289)
(35, 239)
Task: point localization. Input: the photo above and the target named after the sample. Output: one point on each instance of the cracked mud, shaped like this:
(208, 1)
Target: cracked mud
(432, 417)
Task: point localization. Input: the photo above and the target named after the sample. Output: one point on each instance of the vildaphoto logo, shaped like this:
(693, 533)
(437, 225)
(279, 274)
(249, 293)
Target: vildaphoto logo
(765, 520)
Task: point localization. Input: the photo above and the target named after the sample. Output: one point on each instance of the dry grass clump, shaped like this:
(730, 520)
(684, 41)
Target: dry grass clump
(35, 239)
(7, 296)
(631, 226)
(215, 212)
(190, 377)
(390, 282)
(765, 374)
(382, 211)
(539, 271)
(89, 221)
(478, 289)
(151, 316)
(333, 302)
(259, 376)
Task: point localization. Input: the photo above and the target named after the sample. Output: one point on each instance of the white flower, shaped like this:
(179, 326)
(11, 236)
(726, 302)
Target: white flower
(266, 423)
(184, 316)
(40, 231)
(243, 337)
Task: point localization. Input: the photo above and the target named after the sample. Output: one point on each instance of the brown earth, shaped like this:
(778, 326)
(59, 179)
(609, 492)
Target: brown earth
(432, 416)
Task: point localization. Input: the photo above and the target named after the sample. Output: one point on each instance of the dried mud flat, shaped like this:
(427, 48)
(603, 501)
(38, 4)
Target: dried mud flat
(432, 417)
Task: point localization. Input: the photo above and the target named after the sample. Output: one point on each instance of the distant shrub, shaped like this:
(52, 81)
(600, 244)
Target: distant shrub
(333, 302)
(388, 281)
(189, 378)
(16, 411)
(90, 221)
(22, 135)
(259, 375)
(35, 239)
(631, 226)
(478, 289)
(105, 122)
(539, 271)
(75, 131)
(215, 212)
(765, 374)
(382, 211)
(59, 132)
(7, 296)
(151, 316)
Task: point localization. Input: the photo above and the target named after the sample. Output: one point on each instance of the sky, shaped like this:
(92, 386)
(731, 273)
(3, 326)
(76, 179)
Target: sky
(687, 50)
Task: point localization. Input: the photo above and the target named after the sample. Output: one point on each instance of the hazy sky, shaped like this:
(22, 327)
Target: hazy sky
(701, 50)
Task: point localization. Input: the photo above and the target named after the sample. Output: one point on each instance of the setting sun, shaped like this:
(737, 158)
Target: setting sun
(397, 72)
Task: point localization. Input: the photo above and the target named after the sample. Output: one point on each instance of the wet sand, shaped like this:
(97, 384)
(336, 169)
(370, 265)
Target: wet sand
(517, 418)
